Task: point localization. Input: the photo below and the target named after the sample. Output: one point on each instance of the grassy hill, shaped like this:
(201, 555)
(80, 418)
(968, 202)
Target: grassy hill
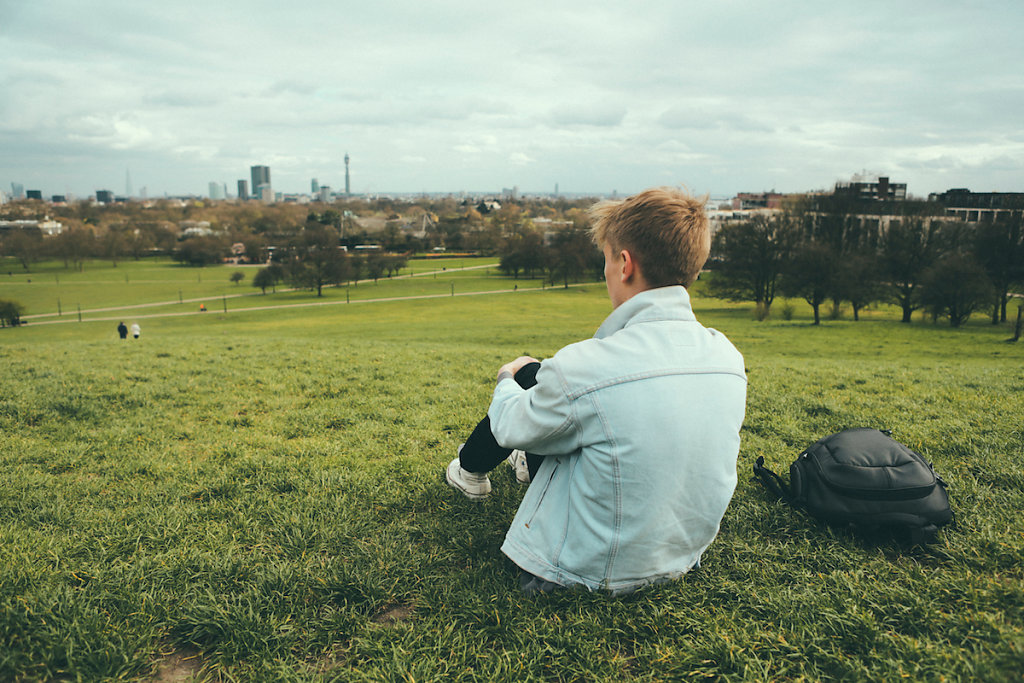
(259, 495)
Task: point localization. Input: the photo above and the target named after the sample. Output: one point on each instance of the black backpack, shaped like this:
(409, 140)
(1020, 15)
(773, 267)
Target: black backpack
(864, 479)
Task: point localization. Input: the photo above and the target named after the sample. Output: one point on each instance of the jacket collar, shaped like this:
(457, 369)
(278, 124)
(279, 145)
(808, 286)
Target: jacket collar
(660, 303)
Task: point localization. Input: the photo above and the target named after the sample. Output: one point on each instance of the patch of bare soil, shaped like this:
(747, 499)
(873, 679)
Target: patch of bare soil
(392, 614)
(181, 665)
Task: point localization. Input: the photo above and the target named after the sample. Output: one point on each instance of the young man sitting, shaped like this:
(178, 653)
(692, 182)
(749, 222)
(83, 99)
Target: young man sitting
(630, 437)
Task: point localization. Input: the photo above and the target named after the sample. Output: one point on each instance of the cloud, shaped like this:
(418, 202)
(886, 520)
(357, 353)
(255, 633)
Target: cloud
(597, 115)
(594, 97)
(720, 115)
(115, 131)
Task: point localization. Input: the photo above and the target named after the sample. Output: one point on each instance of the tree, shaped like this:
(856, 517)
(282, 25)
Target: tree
(375, 264)
(748, 259)
(114, 245)
(268, 276)
(392, 238)
(811, 275)
(908, 248)
(856, 280)
(316, 259)
(200, 251)
(26, 245)
(569, 255)
(508, 220)
(955, 286)
(237, 277)
(10, 313)
(357, 266)
(523, 253)
(851, 239)
(73, 247)
(999, 245)
(394, 264)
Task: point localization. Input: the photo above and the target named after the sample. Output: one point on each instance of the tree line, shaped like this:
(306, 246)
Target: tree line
(948, 268)
(134, 229)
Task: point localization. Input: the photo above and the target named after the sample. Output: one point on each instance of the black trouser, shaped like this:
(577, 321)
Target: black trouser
(481, 453)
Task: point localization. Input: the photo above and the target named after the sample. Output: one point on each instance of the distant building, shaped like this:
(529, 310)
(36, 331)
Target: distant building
(745, 201)
(880, 190)
(314, 186)
(195, 228)
(34, 194)
(46, 226)
(243, 189)
(265, 193)
(104, 196)
(217, 191)
(260, 178)
(324, 192)
(348, 188)
(973, 207)
(17, 191)
(59, 199)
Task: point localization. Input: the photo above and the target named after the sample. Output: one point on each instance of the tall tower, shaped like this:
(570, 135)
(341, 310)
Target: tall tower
(260, 179)
(348, 188)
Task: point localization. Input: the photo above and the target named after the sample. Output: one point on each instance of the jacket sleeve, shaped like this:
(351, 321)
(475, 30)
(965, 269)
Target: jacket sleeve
(540, 420)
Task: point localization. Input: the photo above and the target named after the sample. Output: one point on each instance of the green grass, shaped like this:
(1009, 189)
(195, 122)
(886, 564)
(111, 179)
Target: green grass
(258, 495)
(161, 287)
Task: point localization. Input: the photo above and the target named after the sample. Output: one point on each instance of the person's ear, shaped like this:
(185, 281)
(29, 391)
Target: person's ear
(628, 265)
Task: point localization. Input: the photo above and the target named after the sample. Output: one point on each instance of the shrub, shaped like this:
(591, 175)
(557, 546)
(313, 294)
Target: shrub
(10, 313)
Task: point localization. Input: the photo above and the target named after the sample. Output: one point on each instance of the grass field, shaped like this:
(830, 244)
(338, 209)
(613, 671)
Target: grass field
(259, 495)
(158, 287)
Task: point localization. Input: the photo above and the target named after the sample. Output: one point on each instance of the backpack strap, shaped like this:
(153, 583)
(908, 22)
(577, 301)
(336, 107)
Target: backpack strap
(772, 481)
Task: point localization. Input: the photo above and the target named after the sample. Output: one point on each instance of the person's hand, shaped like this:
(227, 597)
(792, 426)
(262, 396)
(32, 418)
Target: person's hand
(516, 365)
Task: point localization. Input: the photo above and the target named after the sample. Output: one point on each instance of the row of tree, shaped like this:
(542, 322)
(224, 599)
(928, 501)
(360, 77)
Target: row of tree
(315, 259)
(563, 255)
(947, 268)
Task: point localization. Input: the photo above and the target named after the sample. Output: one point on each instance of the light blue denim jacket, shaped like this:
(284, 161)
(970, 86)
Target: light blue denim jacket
(641, 425)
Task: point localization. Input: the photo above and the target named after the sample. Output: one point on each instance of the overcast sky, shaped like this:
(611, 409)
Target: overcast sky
(457, 95)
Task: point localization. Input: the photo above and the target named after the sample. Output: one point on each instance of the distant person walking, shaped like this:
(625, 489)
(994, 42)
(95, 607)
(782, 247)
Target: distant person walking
(122, 330)
(136, 330)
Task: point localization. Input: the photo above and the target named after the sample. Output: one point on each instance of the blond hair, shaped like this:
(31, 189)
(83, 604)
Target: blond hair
(664, 228)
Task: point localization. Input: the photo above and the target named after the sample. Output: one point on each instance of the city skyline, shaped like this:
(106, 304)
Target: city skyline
(446, 97)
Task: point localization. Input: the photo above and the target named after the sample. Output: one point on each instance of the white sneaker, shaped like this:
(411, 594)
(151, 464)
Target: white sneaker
(473, 485)
(517, 460)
